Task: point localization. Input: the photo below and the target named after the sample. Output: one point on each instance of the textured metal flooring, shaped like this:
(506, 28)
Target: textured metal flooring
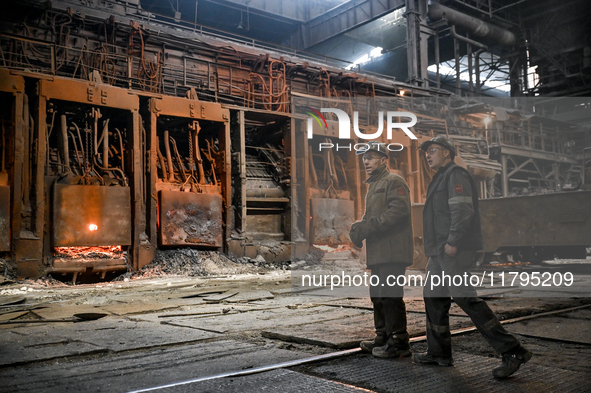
(470, 374)
(367, 374)
(279, 380)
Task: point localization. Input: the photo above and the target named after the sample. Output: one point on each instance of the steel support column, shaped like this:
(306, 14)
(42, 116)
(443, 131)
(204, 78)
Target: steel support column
(412, 41)
(138, 206)
(505, 178)
(14, 85)
(242, 171)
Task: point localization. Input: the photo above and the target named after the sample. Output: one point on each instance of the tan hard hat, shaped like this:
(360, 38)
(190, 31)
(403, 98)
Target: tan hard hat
(441, 141)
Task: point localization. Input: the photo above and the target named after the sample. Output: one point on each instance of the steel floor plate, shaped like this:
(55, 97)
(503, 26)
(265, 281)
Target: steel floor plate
(280, 380)
(470, 374)
(34, 342)
(554, 327)
(348, 332)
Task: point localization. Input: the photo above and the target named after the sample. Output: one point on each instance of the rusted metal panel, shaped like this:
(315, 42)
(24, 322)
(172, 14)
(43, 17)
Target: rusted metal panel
(4, 218)
(192, 109)
(147, 252)
(11, 83)
(188, 212)
(76, 208)
(94, 265)
(331, 220)
(264, 227)
(88, 92)
(28, 268)
(560, 219)
(190, 219)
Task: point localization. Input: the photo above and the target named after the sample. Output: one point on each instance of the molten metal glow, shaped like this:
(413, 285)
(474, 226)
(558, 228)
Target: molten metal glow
(339, 248)
(88, 252)
(93, 227)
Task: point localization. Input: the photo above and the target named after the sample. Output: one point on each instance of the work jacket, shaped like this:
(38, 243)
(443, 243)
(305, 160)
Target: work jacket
(451, 213)
(386, 226)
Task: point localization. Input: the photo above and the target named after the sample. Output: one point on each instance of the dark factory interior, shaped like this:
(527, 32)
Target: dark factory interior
(132, 126)
(195, 196)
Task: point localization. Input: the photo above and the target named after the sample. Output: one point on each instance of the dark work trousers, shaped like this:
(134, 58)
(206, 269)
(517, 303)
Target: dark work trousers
(438, 302)
(389, 311)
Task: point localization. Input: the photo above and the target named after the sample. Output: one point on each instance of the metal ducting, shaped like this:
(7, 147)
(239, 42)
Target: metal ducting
(473, 25)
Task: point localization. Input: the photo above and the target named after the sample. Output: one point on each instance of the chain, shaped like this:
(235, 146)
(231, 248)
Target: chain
(191, 161)
(87, 147)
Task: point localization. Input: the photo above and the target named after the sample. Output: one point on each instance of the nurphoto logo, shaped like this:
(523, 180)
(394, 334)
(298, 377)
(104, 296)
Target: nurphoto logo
(393, 121)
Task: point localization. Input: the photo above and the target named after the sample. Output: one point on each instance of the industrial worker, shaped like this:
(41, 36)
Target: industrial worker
(386, 228)
(452, 235)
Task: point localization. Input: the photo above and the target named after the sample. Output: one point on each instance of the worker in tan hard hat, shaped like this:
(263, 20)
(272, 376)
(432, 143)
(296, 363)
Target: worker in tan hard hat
(386, 228)
(452, 235)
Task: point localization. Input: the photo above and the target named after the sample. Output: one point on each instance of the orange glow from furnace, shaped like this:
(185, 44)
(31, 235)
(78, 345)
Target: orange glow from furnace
(93, 227)
(338, 248)
(88, 252)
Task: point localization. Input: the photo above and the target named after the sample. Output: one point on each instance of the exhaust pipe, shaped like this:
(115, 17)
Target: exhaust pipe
(473, 25)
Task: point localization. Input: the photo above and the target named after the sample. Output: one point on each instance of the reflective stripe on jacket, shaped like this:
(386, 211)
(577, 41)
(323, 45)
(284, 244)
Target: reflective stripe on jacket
(451, 213)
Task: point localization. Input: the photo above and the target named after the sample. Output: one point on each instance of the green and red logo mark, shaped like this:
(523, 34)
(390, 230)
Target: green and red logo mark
(316, 115)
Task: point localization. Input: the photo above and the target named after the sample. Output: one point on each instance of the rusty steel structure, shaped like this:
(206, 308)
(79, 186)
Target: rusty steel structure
(189, 179)
(261, 180)
(124, 132)
(89, 163)
(12, 90)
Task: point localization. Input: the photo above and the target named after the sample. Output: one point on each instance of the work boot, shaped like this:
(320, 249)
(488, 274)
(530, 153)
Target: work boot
(397, 346)
(426, 358)
(369, 345)
(389, 351)
(511, 362)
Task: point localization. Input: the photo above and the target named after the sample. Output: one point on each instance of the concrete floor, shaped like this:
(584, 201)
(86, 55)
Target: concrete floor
(166, 330)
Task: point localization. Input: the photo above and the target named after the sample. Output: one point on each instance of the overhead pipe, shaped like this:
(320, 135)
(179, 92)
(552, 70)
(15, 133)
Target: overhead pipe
(454, 34)
(473, 25)
(483, 48)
